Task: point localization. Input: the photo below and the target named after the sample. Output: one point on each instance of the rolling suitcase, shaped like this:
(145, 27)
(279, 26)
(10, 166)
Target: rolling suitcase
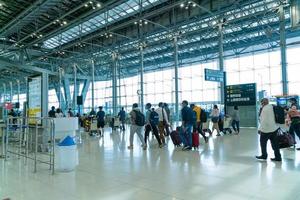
(175, 138)
(195, 140)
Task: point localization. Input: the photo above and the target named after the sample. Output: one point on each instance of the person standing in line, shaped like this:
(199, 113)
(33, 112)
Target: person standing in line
(188, 121)
(122, 115)
(59, 113)
(100, 121)
(51, 113)
(293, 117)
(235, 116)
(215, 116)
(163, 121)
(197, 125)
(152, 120)
(70, 113)
(268, 130)
(137, 124)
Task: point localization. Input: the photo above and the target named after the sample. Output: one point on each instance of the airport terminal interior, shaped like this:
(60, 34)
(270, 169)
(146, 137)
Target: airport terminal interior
(149, 99)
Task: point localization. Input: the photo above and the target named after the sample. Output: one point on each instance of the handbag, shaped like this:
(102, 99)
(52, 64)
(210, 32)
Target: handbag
(285, 139)
(215, 119)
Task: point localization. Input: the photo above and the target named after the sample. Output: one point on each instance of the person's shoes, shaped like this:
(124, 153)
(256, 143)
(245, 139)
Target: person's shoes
(206, 139)
(145, 147)
(189, 148)
(184, 148)
(130, 147)
(276, 159)
(161, 146)
(298, 149)
(261, 157)
(218, 134)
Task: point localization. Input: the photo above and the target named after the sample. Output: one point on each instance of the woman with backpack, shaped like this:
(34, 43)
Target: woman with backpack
(137, 125)
(152, 120)
(293, 119)
(215, 116)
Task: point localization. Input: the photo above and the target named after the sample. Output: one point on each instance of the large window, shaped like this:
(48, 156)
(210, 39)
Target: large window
(263, 69)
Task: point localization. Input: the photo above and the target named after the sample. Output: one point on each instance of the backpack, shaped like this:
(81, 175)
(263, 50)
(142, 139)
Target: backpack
(154, 118)
(139, 118)
(203, 116)
(279, 114)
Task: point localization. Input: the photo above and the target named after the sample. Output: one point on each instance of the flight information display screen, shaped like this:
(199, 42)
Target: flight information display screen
(241, 95)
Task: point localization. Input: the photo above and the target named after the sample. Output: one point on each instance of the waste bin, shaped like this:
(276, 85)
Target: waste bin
(67, 154)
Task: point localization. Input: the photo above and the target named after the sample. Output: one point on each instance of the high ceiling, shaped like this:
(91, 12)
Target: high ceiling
(45, 35)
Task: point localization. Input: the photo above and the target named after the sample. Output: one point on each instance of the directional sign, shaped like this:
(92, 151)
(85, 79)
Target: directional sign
(214, 75)
(241, 95)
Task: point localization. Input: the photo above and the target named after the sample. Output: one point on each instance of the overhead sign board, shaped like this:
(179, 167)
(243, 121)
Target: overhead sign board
(214, 75)
(241, 95)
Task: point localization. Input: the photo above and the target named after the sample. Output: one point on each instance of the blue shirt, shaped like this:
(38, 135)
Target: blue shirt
(187, 115)
(100, 115)
(122, 115)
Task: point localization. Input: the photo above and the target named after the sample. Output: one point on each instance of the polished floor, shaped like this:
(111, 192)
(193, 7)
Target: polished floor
(223, 169)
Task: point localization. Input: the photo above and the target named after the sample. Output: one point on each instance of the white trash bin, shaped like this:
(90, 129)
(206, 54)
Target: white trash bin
(67, 155)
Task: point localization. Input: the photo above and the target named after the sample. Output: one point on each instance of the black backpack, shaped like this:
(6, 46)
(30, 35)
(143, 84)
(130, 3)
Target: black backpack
(139, 118)
(154, 118)
(203, 116)
(279, 114)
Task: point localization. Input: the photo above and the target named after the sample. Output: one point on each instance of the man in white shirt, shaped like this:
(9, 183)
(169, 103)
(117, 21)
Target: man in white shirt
(268, 131)
(163, 121)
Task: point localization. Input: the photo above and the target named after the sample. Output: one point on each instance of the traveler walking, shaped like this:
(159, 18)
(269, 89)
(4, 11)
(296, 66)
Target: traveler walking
(122, 116)
(152, 120)
(268, 131)
(215, 116)
(197, 127)
(163, 121)
(167, 127)
(293, 117)
(137, 124)
(235, 117)
(188, 119)
(100, 121)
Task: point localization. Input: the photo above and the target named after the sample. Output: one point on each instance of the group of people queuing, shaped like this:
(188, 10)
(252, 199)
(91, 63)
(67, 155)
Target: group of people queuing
(58, 113)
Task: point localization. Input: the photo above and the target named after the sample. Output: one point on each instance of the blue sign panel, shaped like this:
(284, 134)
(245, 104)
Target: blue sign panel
(214, 75)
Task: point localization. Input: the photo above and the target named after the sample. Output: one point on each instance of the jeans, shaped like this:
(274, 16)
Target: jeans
(154, 130)
(138, 130)
(235, 125)
(122, 125)
(264, 137)
(186, 135)
(295, 128)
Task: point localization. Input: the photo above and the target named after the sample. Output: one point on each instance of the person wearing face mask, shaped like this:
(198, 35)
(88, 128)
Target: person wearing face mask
(268, 131)
(293, 118)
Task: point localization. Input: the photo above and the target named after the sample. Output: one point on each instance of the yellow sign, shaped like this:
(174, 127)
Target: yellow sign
(34, 112)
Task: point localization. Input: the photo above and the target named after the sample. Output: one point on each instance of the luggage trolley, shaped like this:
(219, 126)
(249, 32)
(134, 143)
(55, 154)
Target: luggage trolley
(227, 125)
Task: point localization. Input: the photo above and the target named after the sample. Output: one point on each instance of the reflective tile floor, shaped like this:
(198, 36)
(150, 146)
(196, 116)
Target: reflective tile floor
(223, 169)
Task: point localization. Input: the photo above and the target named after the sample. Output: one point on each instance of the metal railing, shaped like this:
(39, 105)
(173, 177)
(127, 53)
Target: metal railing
(32, 138)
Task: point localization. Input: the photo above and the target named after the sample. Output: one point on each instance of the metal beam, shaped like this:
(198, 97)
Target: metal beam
(176, 79)
(221, 60)
(114, 83)
(67, 92)
(85, 89)
(283, 51)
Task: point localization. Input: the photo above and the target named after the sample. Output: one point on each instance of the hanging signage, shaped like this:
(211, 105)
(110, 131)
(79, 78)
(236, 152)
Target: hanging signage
(214, 75)
(34, 98)
(241, 95)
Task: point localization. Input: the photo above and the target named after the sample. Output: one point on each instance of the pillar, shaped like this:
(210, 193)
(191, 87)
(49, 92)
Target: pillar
(283, 51)
(176, 78)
